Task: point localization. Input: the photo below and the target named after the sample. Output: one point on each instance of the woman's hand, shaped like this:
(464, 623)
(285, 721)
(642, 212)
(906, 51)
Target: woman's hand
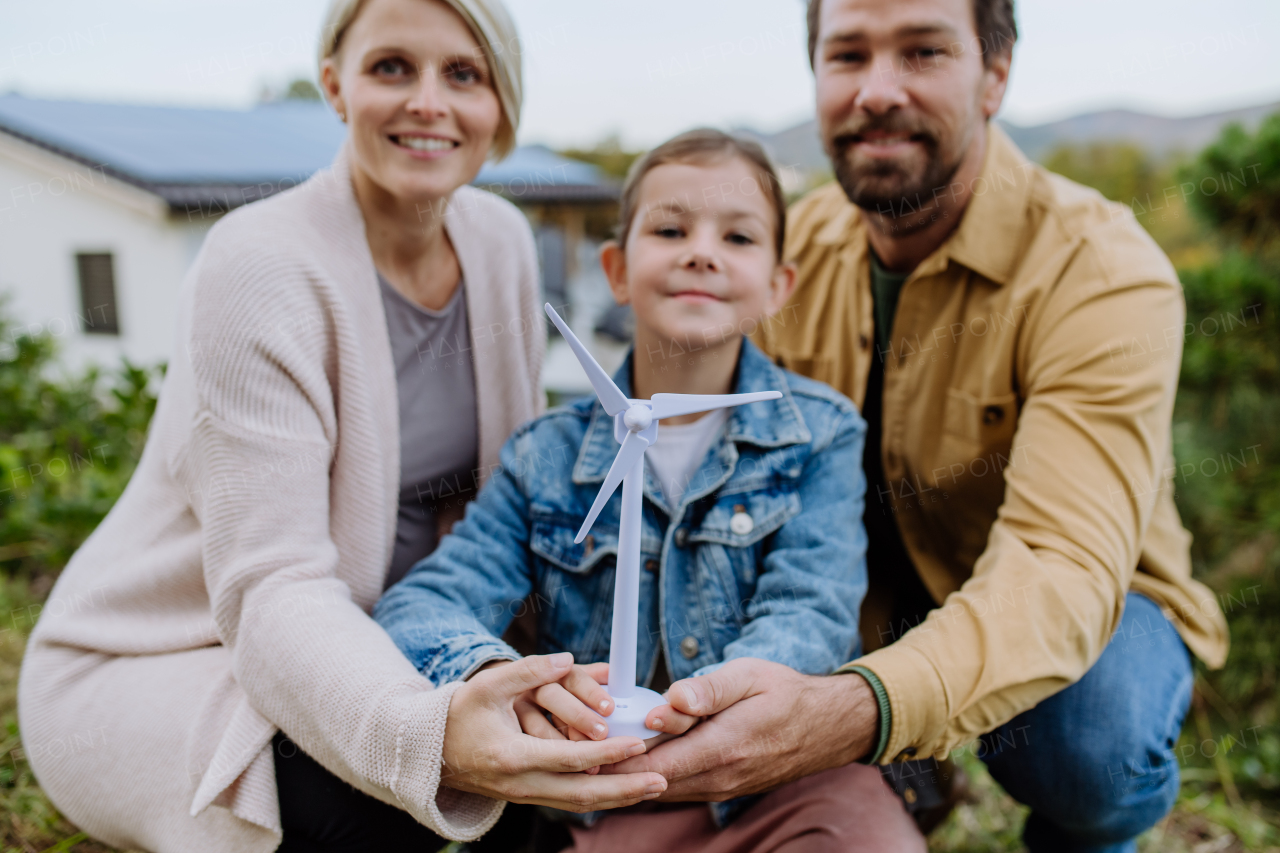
(486, 752)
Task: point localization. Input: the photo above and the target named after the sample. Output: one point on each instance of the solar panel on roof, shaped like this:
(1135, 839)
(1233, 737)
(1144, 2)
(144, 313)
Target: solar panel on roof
(181, 152)
(183, 145)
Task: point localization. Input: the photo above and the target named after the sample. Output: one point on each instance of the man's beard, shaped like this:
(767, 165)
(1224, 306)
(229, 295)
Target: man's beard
(893, 189)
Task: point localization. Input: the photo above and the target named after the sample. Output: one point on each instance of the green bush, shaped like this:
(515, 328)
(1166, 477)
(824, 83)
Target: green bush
(1238, 186)
(1228, 421)
(1228, 410)
(68, 445)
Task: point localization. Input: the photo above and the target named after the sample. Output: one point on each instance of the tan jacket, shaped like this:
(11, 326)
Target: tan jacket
(1026, 439)
(228, 592)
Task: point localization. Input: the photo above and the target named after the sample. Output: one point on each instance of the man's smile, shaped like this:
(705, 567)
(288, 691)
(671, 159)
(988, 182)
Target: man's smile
(880, 143)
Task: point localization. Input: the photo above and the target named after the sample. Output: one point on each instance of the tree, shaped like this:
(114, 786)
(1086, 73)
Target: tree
(302, 90)
(1230, 389)
(1227, 436)
(298, 89)
(608, 156)
(1238, 187)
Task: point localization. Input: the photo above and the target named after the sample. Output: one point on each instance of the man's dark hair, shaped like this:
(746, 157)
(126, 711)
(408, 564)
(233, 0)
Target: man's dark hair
(993, 20)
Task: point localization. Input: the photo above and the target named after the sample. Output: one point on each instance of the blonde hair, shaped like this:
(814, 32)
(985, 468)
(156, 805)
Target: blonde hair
(492, 27)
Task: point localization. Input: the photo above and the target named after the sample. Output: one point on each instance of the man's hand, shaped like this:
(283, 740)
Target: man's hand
(768, 725)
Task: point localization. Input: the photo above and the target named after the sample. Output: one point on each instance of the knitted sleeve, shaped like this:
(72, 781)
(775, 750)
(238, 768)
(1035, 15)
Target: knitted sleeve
(258, 471)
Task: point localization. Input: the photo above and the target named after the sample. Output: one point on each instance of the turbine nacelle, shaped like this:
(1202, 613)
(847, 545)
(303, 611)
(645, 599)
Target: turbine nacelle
(638, 417)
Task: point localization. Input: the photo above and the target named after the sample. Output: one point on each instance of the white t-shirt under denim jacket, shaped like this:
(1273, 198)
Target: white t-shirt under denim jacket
(759, 552)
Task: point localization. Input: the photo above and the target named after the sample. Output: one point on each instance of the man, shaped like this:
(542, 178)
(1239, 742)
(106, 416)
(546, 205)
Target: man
(1014, 343)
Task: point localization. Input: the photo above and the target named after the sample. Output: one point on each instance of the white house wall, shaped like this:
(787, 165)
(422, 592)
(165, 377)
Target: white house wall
(52, 208)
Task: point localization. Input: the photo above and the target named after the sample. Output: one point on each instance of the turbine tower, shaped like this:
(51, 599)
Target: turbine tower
(635, 426)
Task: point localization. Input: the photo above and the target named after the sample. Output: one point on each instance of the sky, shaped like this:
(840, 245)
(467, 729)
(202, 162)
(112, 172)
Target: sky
(646, 69)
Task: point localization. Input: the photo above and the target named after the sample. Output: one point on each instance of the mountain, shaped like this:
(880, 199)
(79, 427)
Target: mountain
(798, 146)
(1157, 134)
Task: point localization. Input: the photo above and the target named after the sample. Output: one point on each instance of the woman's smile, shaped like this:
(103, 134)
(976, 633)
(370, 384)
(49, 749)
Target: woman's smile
(423, 146)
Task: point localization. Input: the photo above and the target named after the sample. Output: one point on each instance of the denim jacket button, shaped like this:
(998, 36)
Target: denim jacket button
(741, 523)
(682, 537)
(651, 565)
(689, 647)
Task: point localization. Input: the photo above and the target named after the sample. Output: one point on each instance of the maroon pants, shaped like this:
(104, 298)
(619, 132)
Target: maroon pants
(846, 809)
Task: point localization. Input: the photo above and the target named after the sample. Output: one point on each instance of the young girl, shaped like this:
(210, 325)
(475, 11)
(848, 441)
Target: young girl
(752, 538)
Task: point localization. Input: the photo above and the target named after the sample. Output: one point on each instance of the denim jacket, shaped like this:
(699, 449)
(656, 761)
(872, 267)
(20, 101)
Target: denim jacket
(785, 587)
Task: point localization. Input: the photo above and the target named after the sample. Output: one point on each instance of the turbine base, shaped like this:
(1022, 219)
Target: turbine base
(627, 719)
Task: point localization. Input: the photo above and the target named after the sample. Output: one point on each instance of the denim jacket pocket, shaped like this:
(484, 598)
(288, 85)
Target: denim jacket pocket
(552, 539)
(552, 534)
(729, 539)
(740, 520)
(574, 583)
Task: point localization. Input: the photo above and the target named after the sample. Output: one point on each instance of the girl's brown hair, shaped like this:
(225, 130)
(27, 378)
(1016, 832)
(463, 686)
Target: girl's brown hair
(700, 146)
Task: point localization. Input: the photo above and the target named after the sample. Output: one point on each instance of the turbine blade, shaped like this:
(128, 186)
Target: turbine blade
(613, 400)
(633, 447)
(674, 405)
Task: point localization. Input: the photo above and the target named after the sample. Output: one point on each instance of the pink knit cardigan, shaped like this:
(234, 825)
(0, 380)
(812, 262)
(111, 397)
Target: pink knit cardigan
(228, 591)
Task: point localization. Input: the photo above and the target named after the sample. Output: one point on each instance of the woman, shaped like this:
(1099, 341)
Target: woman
(226, 596)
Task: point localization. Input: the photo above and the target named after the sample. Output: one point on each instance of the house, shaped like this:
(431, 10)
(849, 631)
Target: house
(103, 207)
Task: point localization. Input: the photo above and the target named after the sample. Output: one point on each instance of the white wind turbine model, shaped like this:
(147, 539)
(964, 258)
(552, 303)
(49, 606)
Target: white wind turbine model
(635, 426)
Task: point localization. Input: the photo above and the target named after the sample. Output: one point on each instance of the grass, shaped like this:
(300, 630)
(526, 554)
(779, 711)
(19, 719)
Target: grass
(1201, 822)
(1204, 821)
(28, 821)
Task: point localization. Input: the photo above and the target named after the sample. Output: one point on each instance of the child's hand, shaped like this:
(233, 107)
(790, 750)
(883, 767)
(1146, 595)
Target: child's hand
(577, 703)
(664, 718)
(572, 701)
(586, 691)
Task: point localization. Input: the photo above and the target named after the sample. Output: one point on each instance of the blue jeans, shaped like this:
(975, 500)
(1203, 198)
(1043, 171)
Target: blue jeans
(1095, 762)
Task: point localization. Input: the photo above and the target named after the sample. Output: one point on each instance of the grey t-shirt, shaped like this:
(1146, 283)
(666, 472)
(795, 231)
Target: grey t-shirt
(439, 434)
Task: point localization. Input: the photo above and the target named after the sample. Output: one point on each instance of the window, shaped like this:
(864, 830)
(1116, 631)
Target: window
(98, 293)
